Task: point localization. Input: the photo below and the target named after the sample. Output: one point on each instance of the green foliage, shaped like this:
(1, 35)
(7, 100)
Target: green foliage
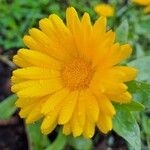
(146, 124)
(141, 92)
(80, 143)
(37, 140)
(20, 15)
(142, 64)
(126, 126)
(7, 107)
(133, 106)
(59, 142)
(122, 32)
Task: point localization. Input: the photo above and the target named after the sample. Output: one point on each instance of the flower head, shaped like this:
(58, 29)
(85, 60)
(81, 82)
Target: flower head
(70, 74)
(145, 3)
(104, 10)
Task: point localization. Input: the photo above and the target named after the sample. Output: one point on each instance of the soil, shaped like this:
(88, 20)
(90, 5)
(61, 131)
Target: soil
(12, 132)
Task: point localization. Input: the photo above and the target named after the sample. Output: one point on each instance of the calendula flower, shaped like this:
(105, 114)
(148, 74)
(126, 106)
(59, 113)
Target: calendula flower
(145, 3)
(104, 10)
(70, 75)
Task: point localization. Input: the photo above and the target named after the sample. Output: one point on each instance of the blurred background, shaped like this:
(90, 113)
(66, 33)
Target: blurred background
(16, 17)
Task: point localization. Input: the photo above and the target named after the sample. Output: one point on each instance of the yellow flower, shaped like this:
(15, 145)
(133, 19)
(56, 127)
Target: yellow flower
(104, 10)
(145, 3)
(70, 74)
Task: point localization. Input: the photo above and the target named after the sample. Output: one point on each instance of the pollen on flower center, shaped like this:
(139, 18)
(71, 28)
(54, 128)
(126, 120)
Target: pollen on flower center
(77, 74)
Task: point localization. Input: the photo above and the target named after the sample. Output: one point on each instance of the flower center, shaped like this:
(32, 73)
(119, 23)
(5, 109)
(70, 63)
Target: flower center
(77, 74)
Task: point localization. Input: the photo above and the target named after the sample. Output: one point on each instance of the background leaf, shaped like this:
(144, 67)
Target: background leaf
(37, 140)
(122, 32)
(125, 125)
(146, 124)
(133, 106)
(141, 92)
(80, 143)
(59, 142)
(142, 64)
(7, 107)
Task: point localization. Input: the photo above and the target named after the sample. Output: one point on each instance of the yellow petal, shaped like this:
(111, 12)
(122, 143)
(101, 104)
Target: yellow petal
(129, 72)
(46, 44)
(47, 27)
(112, 87)
(38, 59)
(36, 73)
(125, 52)
(99, 27)
(121, 54)
(74, 25)
(89, 129)
(49, 123)
(54, 100)
(92, 108)
(31, 43)
(86, 29)
(20, 62)
(86, 23)
(20, 102)
(35, 114)
(60, 27)
(104, 10)
(68, 108)
(23, 102)
(28, 83)
(147, 9)
(104, 123)
(39, 36)
(79, 116)
(73, 21)
(67, 129)
(105, 106)
(16, 80)
(101, 52)
(99, 31)
(25, 111)
(142, 2)
(59, 34)
(114, 75)
(81, 104)
(121, 98)
(77, 129)
(43, 88)
(34, 43)
(106, 82)
(51, 120)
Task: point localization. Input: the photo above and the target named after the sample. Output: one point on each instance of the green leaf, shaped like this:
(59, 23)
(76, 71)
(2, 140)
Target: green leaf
(125, 125)
(133, 106)
(139, 51)
(7, 107)
(80, 143)
(146, 124)
(143, 27)
(59, 143)
(141, 92)
(142, 64)
(122, 32)
(37, 140)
